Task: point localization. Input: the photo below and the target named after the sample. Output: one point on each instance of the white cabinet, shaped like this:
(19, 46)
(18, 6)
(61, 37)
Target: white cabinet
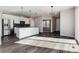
(6, 32)
(11, 23)
(17, 21)
(26, 32)
(6, 26)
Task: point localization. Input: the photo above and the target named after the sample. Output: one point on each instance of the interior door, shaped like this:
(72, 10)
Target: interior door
(46, 25)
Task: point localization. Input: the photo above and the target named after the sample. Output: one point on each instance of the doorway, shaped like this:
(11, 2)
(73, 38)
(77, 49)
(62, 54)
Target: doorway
(46, 25)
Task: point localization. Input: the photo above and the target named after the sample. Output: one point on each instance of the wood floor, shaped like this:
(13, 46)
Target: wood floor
(9, 46)
(19, 48)
(55, 34)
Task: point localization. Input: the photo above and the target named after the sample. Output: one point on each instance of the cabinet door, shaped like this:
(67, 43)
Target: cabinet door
(11, 24)
(17, 21)
(6, 32)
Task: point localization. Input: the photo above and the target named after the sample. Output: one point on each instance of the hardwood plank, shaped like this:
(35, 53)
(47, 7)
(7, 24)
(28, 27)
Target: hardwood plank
(10, 47)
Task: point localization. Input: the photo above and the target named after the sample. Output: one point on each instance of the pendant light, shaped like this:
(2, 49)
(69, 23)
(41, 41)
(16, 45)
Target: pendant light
(21, 12)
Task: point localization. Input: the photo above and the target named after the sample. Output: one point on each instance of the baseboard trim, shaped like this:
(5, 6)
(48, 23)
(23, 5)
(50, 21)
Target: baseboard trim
(49, 32)
(4, 36)
(77, 41)
(67, 36)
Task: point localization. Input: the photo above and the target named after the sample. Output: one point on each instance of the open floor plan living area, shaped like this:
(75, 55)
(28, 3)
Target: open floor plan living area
(39, 29)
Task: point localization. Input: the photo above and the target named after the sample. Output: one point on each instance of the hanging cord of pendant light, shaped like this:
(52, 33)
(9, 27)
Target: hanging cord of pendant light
(21, 11)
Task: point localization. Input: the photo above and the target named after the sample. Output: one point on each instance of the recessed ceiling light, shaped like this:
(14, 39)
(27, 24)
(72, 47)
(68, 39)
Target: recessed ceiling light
(51, 6)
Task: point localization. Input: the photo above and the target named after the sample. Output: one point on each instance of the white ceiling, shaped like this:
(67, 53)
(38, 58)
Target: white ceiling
(35, 10)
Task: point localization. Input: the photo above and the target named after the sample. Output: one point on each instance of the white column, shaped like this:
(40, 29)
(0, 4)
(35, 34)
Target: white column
(77, 23)
(0, 27)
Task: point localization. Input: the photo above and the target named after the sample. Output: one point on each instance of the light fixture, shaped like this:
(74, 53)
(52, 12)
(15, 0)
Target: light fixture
(29, 14)
(51, 6)
(50, 10)
(22, 11)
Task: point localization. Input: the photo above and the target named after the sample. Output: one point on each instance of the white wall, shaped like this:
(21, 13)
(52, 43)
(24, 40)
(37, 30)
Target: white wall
(38, 23)
(32, 23)
(53, 24)
(67, 22)
(17, 19)
(58, 24)
(77, 23)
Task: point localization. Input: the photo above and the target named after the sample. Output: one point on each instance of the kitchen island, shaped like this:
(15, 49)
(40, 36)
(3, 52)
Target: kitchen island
(22, 32)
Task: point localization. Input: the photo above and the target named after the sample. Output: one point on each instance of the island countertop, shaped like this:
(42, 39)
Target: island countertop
(22, 32)
(26, 27)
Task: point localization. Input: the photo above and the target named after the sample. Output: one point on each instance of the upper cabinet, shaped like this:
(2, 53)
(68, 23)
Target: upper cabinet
(16, 19)
(25, 19)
